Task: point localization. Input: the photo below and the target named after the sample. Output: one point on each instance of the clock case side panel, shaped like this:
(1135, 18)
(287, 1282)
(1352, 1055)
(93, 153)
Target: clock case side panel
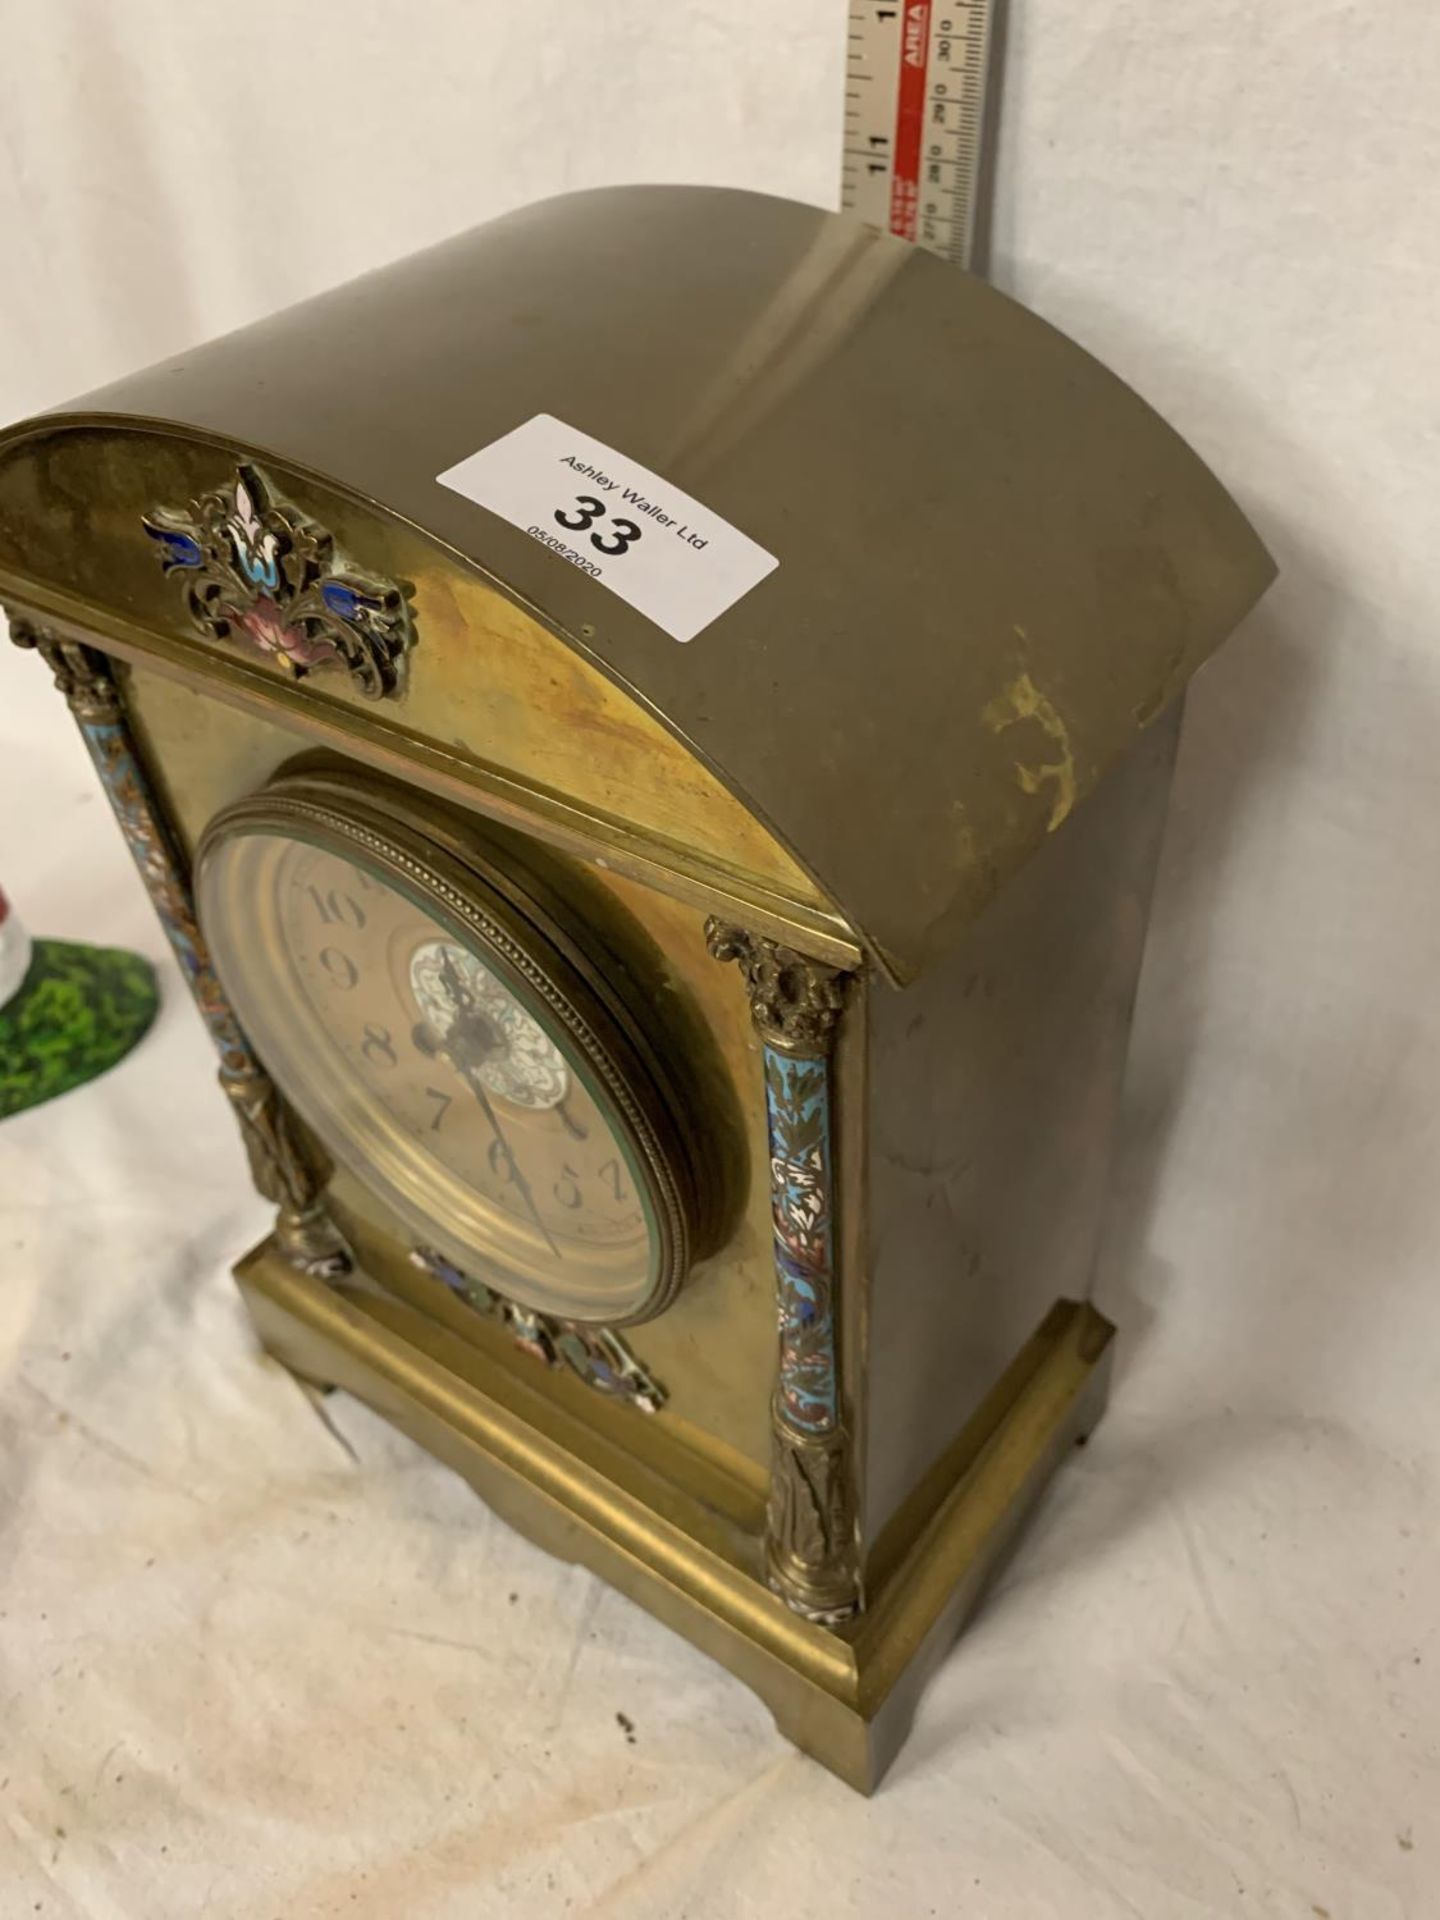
(995, 1092)
(713, 1348)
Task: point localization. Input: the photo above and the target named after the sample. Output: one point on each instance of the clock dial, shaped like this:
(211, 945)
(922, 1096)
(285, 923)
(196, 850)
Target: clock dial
(465, 1071)
(457, 1075)
(457, 995)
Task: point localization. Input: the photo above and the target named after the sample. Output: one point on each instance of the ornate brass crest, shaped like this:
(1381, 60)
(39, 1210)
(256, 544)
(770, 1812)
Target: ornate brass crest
(256, 569)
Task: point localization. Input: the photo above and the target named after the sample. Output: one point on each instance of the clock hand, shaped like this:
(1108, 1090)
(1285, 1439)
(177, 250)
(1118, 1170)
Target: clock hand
(462, 1004)
(462, 1001)
(476, 1086)
(461, 1057)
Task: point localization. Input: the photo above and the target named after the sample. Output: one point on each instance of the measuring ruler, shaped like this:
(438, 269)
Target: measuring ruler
(916, 134)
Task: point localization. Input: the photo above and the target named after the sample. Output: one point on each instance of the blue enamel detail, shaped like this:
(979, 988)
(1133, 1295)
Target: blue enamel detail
(342, 601)
(180, 549)
(797, 1106)
(140, 822)
(259, 568)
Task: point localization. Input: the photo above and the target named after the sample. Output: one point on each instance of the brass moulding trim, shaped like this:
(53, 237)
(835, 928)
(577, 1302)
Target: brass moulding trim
(383, 744)
(844, 1695)
(812, 1523)
(279, 1165)
(257, 570)
(338, 1337)
(1051, 1396)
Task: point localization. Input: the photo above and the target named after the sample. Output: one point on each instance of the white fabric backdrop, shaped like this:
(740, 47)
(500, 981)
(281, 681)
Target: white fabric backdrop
(254, 1664)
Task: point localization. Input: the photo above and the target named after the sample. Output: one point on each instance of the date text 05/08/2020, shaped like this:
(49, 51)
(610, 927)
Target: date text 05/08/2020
(547, 539)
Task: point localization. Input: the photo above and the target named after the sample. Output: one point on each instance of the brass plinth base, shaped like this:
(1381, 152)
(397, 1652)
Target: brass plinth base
(845, 1695)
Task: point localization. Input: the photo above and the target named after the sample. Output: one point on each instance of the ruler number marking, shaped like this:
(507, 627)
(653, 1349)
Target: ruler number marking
(912, 144)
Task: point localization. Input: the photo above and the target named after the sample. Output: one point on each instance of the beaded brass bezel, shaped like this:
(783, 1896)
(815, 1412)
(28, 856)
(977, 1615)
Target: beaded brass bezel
(490, 901)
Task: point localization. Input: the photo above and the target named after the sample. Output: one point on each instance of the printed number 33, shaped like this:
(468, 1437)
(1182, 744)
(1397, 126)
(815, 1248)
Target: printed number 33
(589, 511)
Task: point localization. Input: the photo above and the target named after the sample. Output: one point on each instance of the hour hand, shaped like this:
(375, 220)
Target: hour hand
(461, 998)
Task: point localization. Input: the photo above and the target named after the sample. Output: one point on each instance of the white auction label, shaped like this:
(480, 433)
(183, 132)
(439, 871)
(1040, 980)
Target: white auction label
(672, 559)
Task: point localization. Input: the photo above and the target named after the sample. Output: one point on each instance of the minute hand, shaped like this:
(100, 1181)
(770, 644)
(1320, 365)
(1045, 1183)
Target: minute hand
(462, 1007)
(477, 1087)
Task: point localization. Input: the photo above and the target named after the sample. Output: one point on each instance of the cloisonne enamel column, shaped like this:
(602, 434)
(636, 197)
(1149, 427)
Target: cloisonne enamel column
(811, 1547)
(279, 1164)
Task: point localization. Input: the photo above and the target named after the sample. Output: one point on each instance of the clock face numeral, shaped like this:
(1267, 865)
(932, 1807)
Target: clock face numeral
(611, 1172)
(460, 1065)
(501, 1159)
(340, 967)
(332, 906)
(378, 1047)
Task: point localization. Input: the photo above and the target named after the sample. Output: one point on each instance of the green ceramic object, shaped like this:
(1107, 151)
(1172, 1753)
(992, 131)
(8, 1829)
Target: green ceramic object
(79, 1011)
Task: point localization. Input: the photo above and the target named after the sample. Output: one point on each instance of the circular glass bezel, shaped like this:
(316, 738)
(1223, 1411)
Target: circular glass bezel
(497, 910)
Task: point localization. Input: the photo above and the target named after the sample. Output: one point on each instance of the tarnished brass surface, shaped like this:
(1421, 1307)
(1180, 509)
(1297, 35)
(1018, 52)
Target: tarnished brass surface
(979, 602)
(995, 1095)
(844, 1695)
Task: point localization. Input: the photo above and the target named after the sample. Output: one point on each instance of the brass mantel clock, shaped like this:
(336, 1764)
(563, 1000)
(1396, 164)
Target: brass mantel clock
(657, 815)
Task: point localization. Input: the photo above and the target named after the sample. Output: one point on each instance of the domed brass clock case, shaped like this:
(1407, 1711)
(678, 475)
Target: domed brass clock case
(829, 894)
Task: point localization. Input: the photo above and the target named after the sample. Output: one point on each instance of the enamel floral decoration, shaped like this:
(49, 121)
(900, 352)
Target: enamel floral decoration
(257, 570)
